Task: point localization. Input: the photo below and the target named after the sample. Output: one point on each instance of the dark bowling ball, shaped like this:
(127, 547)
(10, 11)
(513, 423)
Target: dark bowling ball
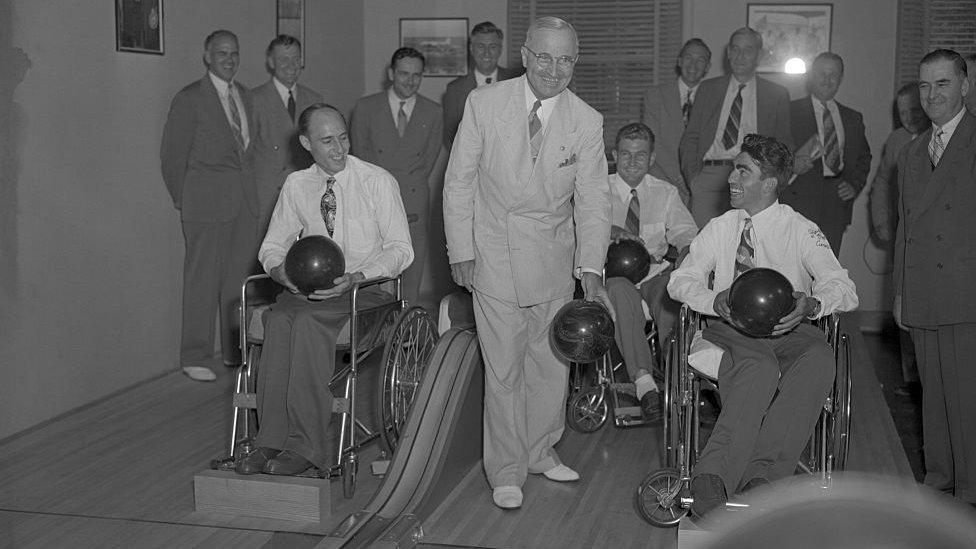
(758, 299)
(313, 263)
(629, 259)
(581, 331)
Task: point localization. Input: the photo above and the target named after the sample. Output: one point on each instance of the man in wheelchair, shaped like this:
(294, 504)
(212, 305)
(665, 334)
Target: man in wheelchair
(358, 205)
(648, 210)
(773, 388)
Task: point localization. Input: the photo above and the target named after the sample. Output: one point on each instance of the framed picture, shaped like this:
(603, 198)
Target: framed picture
(444, 43)
(290, 20)
(139, 26)
(790, 31)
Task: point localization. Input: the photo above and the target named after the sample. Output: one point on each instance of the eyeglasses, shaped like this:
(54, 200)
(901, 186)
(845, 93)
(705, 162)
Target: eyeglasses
(545, 60)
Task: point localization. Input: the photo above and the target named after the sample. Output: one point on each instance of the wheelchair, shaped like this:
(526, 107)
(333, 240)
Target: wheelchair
(663, 497)
(406, 336)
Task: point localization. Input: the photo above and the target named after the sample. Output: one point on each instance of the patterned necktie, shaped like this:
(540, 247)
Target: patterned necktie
(235, 116)
(731, 135)
(535, 124)
(632, 224)
(291, 105)
(402, 119)
(328, 205)
(686, 108)
(936, 148)
(831, 151)
(746, 252)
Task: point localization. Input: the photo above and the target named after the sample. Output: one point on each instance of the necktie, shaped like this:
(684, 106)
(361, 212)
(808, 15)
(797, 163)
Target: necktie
(235, 116)
(328, 206)
(402, 119)
(488, 80)
(291, 105)
(731, 135)
(535, 124)
(831, 148)
(632, 224)
(745, 254)
(936, 148)
(686, 108)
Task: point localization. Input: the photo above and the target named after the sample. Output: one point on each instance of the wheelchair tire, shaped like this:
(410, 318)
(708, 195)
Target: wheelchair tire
(841, 427)
(587, 410)
(412, 340)
(658, 498)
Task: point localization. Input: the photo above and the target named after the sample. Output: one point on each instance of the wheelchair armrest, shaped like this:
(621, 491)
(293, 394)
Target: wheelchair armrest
(373, 281)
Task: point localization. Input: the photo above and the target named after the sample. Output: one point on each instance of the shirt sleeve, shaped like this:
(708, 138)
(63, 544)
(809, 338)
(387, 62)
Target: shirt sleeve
(681, 228)
(689, 282)
(396, 250)
(284, 228)
(831, 284)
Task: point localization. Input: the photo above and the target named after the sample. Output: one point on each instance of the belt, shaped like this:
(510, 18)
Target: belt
(716, 162)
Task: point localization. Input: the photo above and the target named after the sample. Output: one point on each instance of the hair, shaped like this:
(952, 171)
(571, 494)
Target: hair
(407, 53)
(829, 56)
(695, 42)
(946, 55)
(773, 157)
(908, 90)
(637, 131)
(550, 23)
(306, 116)
(487, 27)
(283, 40)
(757, 38)
(215, 35)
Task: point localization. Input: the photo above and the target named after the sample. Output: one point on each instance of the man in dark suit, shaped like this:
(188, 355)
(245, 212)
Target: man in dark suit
(971, 69)
(276, 151)
(666, 110)
(935, 265)
(204, 144)
(485, 47)
(400, 130)
(833, 159)
(728, 108)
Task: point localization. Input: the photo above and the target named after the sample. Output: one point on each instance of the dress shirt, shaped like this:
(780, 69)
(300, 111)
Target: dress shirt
(838, 130)
(948, 129)
(223, 89)
(664, 219)
(395, 104)
(784, 240)
(481, 79)
(545, 110)
(747, 120)
(283, 92)
(683, 93)
(370, 225)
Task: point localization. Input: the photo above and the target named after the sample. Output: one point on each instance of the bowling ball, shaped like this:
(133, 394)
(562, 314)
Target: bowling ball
(313, 263)
(629, 259)
(581, 331)
(758, 298)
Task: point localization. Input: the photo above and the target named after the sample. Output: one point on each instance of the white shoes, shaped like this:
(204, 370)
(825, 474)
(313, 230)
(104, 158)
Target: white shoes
(507, 497)
(561, 473)
(199, 373)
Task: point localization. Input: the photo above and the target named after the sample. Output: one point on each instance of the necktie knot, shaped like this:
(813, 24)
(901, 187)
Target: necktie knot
(488, 80)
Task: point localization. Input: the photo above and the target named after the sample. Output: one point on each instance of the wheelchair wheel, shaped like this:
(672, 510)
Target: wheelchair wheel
(408, 349)
(841, 427)
(587, 410)
(658, 498)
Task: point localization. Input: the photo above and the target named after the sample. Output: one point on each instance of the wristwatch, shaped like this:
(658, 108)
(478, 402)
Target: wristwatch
(816, 308)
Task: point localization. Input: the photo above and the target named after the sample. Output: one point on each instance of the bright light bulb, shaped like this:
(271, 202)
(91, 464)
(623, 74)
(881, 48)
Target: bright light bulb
(795, 66)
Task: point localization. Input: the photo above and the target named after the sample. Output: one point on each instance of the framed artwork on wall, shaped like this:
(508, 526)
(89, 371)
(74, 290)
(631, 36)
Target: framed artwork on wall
(290, 20)
(790, 31)
(444, 43)
(139, 26)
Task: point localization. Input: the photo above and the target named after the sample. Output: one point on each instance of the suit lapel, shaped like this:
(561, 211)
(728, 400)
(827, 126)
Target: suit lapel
(945, 173)
(514, 129)
(672, 102)
(217, 108)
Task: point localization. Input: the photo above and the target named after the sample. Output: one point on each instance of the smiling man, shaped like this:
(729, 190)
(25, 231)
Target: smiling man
(773, 388)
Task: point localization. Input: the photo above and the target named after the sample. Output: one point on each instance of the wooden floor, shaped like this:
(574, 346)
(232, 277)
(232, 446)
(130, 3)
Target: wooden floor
(119, 474)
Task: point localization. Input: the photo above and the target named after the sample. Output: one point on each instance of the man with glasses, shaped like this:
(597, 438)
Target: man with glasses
(526, 205)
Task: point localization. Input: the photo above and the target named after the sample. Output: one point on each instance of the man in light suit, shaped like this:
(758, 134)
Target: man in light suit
(205, 142)
(485, 47)
(935, 265)
(666, 110)
(526, 205)
(833, 159)
(276, 151)
(400, 130)
(726, 109)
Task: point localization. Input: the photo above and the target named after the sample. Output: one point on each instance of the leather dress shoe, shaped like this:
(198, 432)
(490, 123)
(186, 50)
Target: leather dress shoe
(561, 473)
(708, 491)
(507, 497)
(651, 407)
(255, 460)
(287, 462)
(199, 373)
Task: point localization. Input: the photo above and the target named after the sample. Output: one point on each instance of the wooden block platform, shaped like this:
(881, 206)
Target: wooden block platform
(266, 496)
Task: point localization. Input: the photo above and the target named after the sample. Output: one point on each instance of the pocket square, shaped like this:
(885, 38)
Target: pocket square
(568, 162)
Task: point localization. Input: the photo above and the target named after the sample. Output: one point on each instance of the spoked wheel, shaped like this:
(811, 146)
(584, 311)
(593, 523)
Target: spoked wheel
(658, 498)
(587, 410)
(841, 426)
(407, 353)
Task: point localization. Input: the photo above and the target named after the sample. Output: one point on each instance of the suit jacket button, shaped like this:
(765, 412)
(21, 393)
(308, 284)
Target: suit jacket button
(276, 147)
(911, 240)
(939, 264)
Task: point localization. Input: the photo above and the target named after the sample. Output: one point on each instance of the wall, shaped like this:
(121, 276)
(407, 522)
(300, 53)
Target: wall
(869, 59)
(92, 247)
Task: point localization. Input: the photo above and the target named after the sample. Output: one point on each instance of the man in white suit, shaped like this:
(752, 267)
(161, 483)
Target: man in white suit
(526, 206)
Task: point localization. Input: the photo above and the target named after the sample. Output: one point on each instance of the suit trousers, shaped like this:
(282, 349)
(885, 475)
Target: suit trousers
(946, 370)
(629, 327)
(218, 257)
(772, 392)
(525, 388)
(710, 193)
(297, 363)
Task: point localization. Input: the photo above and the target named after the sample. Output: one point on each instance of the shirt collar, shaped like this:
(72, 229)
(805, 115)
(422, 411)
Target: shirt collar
(395, 100)
(949, 127)
(547, 104)
(767, 213)
(818, 105)
(223, 87)
(479, 79)
(749, 84)
(683, 90)
(338, 176)
(283, 90)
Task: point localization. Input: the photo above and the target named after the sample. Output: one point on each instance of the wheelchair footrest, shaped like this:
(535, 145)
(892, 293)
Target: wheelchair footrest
(246, 400)
(624, 389)
(628, 416)
(266, 496)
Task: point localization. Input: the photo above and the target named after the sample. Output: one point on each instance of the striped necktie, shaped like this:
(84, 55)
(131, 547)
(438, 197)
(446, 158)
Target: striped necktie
(831, 148)
(402, 119)
(328, 206)
(936, 148)
(745, 255)
(632, 224)
(235, 116)
(731, 135)
(535, 125)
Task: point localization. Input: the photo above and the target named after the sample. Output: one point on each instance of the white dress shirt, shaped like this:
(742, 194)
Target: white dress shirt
(370, 224)
(683, 93)
(283, 92)
(545, 110)
(818, 110)
(948, 129)
(395, 104)
(225, 91)
(783, 240)
(747, 119)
